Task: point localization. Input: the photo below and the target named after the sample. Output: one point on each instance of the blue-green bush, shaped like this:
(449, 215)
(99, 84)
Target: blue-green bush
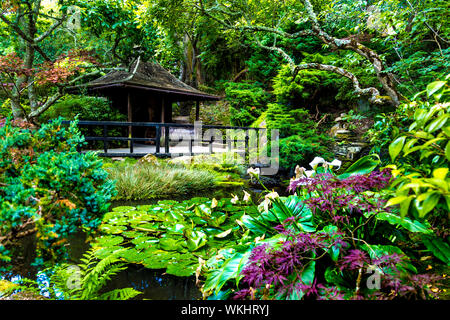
(47, 188)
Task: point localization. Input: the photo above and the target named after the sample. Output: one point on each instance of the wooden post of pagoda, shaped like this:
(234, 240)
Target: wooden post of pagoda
(130, 119)
(197, 110)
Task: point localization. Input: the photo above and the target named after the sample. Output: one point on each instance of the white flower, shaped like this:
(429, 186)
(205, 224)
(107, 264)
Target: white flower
(265, 204)
(246, 196)
(267, 200)
(253, 171)
(299, 172)
(235, 199)
(309, 173)
(335, 163)
(272, 195)
(316, 161)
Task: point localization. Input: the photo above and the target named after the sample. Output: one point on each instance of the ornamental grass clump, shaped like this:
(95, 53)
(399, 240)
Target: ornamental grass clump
(143, 181)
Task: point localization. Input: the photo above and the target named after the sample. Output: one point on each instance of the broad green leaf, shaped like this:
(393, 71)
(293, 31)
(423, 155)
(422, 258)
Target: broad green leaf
(378, 251)
(334, 250)
(364, 165)
(184, 266)
(447, 151)
(221, 295)
(425, 206)
(440, 173)
(409, 144)
(195, 239)
(230, 269)
(159, 259)
(423, 135)
(123, 209)
(203, 210)
(293, 206)
(396, 147)
(438, 247)
(307, 278)
(436, 124)
(107, 228)
(419, 116)
(132, 255)
(170, 244)
(411, 225)
(102, 253)
(255, 225)
(434, 87)
(108, 241)
(335, 277)
(223, 234)
(404, 206)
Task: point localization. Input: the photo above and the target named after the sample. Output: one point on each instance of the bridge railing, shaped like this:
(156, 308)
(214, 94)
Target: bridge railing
(198, 134)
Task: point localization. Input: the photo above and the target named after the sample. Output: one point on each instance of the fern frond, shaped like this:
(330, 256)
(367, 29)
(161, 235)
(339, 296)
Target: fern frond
(120, 294)
(93, 275)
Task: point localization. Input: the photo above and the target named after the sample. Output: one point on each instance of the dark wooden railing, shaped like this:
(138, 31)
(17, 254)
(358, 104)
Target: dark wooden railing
(159, 128)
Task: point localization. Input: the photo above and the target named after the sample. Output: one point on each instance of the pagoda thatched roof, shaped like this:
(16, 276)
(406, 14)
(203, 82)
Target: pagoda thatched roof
(149, 76)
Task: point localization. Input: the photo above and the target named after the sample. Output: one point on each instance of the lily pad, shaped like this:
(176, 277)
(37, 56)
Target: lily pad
(107, 251)
(107, 228)
(159, 259)
(108, 241)
(132, 255)
(184, 266)
(123, 209)
(170, 244)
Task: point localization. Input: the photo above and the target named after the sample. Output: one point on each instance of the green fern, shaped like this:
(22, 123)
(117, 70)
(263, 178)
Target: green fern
(84, 281)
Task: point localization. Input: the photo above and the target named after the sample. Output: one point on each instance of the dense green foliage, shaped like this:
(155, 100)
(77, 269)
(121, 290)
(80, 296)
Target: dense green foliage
(372, 232)
(86, 108)
(48, 188)
(247, 101)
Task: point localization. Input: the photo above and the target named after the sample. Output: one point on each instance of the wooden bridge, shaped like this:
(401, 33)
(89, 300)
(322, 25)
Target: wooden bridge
(167, 139)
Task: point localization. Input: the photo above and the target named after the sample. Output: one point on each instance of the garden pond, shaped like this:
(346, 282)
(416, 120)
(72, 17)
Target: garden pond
(165, 242)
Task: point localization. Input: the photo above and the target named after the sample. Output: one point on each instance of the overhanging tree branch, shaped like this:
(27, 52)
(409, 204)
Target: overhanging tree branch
(22, 34)
(385, 78)
(52, 28)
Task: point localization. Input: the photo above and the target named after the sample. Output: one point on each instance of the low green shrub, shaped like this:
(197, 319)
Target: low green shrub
(87, 108)
(47, 188)
(247, 101)
(300, 140)
(298, 150)
(420, 158)
(91, 109)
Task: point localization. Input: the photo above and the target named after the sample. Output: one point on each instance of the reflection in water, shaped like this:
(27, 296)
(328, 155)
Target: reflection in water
(155, 285)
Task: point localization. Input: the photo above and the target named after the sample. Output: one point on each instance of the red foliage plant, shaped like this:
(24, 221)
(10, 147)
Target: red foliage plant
(11, 64)
(64, 67)
(58, 71)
